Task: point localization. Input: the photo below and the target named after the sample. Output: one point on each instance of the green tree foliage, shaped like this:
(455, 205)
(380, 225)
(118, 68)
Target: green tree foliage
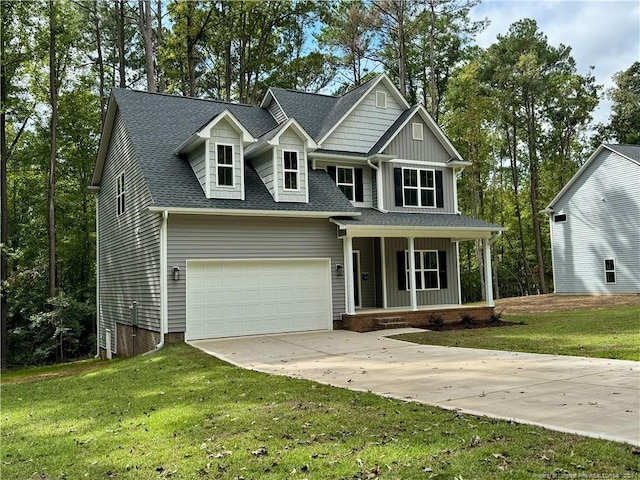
(625, 97)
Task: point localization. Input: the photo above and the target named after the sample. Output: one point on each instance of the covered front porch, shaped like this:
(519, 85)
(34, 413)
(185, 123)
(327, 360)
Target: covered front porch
(403, 268)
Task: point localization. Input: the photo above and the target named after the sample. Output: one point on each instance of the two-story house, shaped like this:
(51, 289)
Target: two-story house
(307, 212)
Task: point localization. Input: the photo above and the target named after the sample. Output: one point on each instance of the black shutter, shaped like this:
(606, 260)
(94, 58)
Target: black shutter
(359, 185)
(397, 178)
(439, 192)
(442, 268)
(402, 271)
(331, 170)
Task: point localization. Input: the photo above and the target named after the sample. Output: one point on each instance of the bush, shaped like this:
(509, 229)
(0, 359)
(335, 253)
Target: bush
(467, 321)
(435, 322)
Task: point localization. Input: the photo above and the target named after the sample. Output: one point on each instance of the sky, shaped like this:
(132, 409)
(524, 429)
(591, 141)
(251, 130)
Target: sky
(604, 34)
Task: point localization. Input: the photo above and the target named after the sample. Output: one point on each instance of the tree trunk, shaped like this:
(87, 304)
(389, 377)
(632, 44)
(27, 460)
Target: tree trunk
(4, 210)
(100, 60)
(402, 67)
(146, 31)
(119, 11)
(53, 87)
(432, 73)
(160, 84)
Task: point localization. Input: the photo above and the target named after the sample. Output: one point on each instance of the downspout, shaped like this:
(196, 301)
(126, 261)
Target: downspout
(97, 278)
(379, 189)
(163, 282)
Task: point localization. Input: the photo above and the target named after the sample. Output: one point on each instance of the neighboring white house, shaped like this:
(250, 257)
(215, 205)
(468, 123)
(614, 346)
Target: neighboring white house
(595, 225)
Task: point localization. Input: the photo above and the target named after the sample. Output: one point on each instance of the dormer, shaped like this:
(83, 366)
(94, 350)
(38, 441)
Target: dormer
(216, 155)
(280, 158)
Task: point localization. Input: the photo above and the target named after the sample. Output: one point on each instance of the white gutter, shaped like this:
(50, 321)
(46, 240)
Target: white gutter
(163, 282)
(379, 190)
(250, 213)
(495, 237)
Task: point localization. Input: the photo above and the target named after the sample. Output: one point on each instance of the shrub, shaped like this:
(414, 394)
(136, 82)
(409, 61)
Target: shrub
(467, 321)
(435, 322)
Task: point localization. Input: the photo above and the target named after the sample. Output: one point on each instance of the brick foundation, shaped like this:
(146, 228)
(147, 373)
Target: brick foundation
(369, 321)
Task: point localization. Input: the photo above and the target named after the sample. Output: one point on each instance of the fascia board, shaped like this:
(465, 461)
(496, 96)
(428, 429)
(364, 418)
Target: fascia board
(414, 231)
(438, 132)
(105, 138)
(251, 213)
(301, 132)
(576, 175)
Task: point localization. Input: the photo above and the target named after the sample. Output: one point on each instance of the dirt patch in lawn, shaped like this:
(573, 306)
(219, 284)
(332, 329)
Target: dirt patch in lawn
(556, 303)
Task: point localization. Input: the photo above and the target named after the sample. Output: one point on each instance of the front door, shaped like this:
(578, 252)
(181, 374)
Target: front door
(357, 294)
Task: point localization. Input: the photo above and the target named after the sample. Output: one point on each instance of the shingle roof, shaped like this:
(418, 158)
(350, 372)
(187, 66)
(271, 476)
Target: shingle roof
(631, 151)
(393, 129)
(157, 124)
(371, 217)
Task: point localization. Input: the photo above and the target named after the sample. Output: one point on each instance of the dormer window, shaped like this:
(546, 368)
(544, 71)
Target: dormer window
(224, 164)
(291, 170)
(381, 99)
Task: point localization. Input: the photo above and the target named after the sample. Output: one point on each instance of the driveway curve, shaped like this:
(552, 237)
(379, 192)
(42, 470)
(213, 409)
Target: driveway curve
(589, 396)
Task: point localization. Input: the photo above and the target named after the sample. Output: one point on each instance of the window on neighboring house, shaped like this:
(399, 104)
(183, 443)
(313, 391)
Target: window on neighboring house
(560, 218)
(290, 169)
(610, 271)
(349, 180)
(418, 187)
(417, 130)
(120, 194)
(381, 99)
(225, 165)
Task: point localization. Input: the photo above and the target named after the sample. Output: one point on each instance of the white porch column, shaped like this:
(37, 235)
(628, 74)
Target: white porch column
(488, 278)
(412, 274)
(349, 301)
(383, 270)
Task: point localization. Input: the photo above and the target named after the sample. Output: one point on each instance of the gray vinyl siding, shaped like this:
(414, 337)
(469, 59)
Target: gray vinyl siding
(276, 112)
(365, 124)
(291, 141)
(210, 237)
(428, 150)
(198, 162)
(129, 255)
(603, 222)
(402, 298)
(367, 265)
(263, 165)
(390, 189)
(367, 191)
(224, 133)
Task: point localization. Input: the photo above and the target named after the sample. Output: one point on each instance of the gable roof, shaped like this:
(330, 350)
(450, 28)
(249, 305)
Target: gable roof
(630, 152)
(158, 124)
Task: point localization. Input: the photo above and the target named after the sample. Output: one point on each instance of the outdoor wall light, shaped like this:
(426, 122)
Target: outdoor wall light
(339, 270)
(176, 273)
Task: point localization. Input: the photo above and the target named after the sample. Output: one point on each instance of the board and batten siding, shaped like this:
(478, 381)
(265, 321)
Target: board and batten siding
(129, 255)
(389, 187)
(224, 133)
(365, 124)
(603, 222)
(428, 150)
(198, 162)
(402, 298)
(291, 141)
(192, 237)
(367, 190)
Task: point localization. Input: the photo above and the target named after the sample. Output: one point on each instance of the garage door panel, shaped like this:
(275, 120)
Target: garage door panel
(248, 297)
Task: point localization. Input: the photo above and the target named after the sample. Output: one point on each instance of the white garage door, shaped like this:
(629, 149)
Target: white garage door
(227, 298)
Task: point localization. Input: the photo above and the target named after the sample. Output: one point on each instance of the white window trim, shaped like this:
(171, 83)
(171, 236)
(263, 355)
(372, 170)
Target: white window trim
(353, 181)
(419, 188)
(559, 215)
(615, 275)
(121, 194)
(287, 170)
(422, 270)
(381, 99)
(226, 165)
(417, 127)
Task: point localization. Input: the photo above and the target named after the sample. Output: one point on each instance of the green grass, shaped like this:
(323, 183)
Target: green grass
(182, 414)
(611, 333)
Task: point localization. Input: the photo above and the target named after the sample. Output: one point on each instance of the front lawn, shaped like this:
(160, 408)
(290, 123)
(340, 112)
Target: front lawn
(611, 333)
(181, 414)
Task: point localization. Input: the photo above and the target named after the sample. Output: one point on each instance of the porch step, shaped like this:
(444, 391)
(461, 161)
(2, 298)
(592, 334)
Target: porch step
(392, 322)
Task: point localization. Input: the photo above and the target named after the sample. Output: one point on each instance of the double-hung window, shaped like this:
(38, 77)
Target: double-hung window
(418, 187)
(346, 181)
(290, 169)
(225, 165)
(610, 271)
(120, 194)
(427, 277)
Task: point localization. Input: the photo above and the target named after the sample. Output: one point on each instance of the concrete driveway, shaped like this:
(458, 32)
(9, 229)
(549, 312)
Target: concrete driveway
(595, 397)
